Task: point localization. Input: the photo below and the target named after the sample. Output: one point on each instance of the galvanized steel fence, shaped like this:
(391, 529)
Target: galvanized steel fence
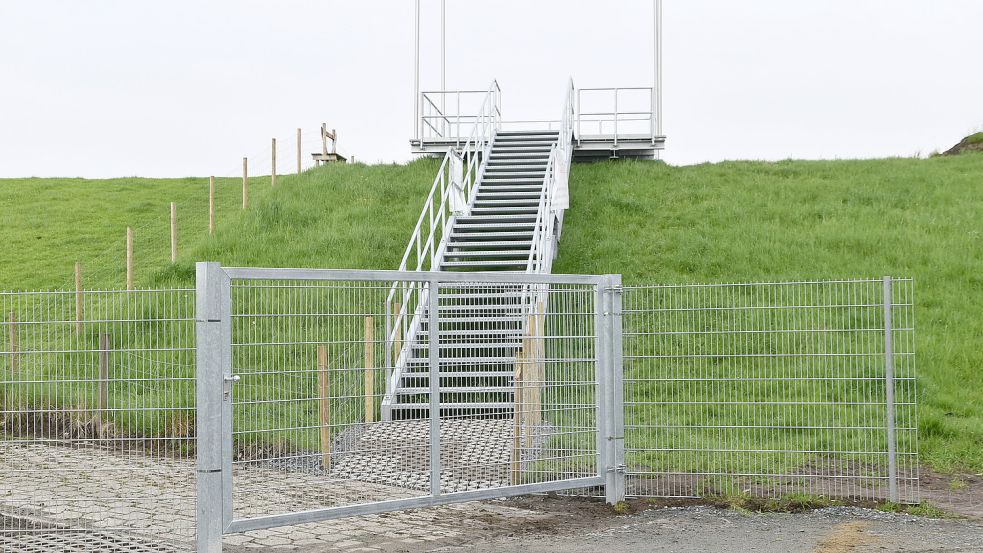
(764, 389)
(770, 389)
(97, 421)
(497, 394)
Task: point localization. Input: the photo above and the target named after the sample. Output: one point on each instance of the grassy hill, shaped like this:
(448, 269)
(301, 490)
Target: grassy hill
(734, 221)
(752, 221)
(353, 216)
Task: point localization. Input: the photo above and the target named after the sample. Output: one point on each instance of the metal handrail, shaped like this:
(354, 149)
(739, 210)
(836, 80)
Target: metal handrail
(616, 115)
(434, 113)
(541, 253)
(429, 238)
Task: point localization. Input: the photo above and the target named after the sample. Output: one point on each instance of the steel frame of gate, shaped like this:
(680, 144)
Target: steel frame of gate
(215, 385)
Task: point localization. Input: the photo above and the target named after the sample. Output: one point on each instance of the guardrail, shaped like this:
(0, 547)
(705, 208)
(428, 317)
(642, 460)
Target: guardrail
(620, 113)
(544, 236)
(449, 115)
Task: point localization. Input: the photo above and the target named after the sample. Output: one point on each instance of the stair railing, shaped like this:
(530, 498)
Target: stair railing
(450, 197)
(545, 231)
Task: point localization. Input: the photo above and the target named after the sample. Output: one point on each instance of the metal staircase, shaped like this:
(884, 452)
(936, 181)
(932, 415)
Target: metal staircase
(497, 233)
(508, 222)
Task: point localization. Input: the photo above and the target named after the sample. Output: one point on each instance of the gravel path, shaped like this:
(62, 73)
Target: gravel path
(696, 529)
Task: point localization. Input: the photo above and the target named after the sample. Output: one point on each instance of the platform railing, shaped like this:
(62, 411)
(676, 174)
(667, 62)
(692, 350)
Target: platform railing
(449, 116)
(616, 113)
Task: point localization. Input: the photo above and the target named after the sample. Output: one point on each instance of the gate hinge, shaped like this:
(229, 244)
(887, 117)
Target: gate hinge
(616, 288)
(618, 468)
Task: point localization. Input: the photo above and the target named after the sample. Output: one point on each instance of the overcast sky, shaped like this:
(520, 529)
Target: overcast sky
(122, 88)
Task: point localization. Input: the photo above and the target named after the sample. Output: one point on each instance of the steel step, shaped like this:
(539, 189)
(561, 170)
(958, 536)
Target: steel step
(518, 264)
(514, 254)
(518, 244)
(504, 210)
(527, 235)
(528, 201)
(492, 218)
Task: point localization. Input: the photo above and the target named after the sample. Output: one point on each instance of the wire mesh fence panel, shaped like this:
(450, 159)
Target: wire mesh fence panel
(771, 389)
(356, 393)
(97, 421)
(306, 414)
(517, 384)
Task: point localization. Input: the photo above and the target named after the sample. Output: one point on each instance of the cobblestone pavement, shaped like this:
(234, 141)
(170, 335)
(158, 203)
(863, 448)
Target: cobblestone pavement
(47, 491)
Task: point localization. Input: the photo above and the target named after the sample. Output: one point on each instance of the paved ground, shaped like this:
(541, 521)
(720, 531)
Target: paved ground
(48, 489)
(697, 529)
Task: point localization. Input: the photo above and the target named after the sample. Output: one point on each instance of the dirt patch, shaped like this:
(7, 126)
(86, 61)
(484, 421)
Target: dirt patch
(960, 494)
(844, 538)
(972, 143)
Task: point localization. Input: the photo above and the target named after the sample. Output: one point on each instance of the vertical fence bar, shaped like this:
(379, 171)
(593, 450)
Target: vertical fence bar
(324, 406)
(434, 354)
(211, 284)
(369, 369)
(892, 454)
(13, 341)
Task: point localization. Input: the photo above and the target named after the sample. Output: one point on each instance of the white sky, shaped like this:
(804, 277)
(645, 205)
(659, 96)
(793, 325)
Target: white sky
(120, 88)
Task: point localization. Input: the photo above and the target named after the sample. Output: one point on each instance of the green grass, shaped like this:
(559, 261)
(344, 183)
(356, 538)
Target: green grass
(755, 221)
(726, 222)
(351, 216)
(975, 138)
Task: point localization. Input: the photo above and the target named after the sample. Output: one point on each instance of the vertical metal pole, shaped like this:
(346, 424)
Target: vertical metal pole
(434, 351)
(211, 286)
(416, 71)
(892, 454)
(658, 67)
(616, 487)
(443, 54)
(601, 379)
(610, 366)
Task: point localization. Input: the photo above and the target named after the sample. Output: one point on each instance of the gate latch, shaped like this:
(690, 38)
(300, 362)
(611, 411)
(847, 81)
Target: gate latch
(227, 388)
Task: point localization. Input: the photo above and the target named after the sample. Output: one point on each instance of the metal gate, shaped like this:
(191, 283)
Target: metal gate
(329, 393)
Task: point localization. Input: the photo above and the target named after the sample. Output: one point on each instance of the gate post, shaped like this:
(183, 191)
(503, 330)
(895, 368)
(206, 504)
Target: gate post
(610, 367)
(212, 331)
(892, 454)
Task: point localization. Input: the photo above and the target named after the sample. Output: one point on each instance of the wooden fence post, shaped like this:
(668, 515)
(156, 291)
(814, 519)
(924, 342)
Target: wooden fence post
(102, 401)
(129, 258)
(211, 205)
(517, 418)
(369, 369)
(324, 406)
(273, 166)
(539, 364)
(13, 341)
(298, 151)
(173, 232)
(79, 305)
(245, 183)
